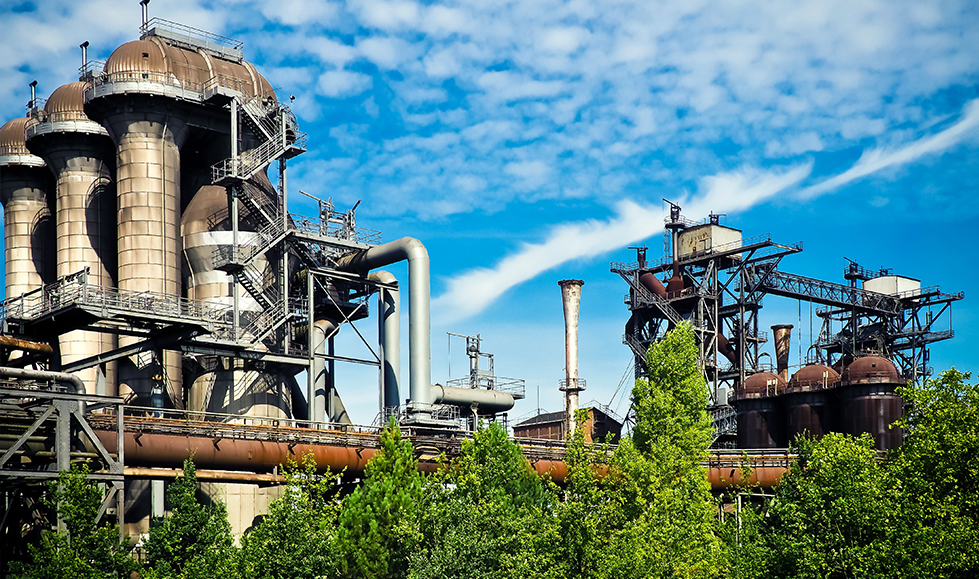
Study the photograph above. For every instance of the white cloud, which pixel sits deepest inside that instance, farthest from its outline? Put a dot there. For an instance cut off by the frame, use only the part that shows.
(508, 86)
(472, 291)
(563, 40)
(878, 159)
(385, 52)
(388, 15)
(343, 83)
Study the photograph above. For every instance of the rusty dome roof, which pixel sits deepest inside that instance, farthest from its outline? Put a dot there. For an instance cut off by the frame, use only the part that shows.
(137, 56)
(192, 69)
(813, 374)
(67, 103)
(872, 370)
(12, 137)
(761, 382)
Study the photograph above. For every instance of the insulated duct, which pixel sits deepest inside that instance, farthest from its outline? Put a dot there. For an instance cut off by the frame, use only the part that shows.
(77, 386)
(419, 305)
(571, 297)
(484, 402)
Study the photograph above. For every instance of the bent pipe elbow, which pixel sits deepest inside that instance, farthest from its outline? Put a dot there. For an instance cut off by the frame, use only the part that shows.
(419, 305)
(74, 382)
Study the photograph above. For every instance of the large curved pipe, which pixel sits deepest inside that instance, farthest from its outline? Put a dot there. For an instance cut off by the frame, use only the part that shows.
(389, 332)
(652, 283)
(419, 304)
(25, 374)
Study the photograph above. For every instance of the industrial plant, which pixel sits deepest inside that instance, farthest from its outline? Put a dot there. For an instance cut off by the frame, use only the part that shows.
(162, 302)
(874, 336)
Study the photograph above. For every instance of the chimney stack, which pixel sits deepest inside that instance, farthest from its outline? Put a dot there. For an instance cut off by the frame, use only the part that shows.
(571, 296)
(783, 336)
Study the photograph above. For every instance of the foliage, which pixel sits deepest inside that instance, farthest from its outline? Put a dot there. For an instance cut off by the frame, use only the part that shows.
(830, 516)
(296, 539)
(936, 479)
(488, 514)
(652, 515)
(195, 540)
(378, 525)
(670, 407)
(85, 549)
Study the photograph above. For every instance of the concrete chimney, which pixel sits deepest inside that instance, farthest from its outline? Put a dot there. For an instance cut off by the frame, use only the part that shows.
(571, 296)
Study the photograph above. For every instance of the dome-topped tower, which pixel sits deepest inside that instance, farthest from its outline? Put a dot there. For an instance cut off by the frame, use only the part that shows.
(81, 157)
(25, 190)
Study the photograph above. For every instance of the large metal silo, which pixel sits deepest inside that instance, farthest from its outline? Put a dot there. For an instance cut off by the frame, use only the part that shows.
(809, 412)
(229, 387)
(130, 100)
(82, 158)
(25, 190)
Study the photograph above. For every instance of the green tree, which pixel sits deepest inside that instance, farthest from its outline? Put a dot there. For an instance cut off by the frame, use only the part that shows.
(85, 549)
(936, 480)
(195, 540)
(670, 407)
(487, 514)
(378, 524)
(297, 538)
(831, 512)
(653, 514)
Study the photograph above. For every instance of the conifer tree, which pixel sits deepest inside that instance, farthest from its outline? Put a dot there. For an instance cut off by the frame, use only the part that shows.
(194, 541)
(378, 526)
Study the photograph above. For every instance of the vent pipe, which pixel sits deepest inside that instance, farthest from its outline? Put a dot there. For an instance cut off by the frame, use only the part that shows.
(783, 335)
(33, 95)
(144, 4)
(84, 47)
(571, 296)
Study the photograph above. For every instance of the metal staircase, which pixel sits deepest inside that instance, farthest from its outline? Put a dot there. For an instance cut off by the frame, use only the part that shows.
(274, 125)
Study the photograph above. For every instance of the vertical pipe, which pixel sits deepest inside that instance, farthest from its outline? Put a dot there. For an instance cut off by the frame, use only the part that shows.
(389, 332)
(419, 310)
(311, 348)
(571, 298)
(84, 47)
(322, 330)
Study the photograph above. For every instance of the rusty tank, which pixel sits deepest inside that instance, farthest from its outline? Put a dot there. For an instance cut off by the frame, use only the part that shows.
(869, 401)
(760, 417)
(807, 406)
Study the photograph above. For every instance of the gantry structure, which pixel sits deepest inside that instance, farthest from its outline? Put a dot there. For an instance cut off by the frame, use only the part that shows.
(718, 284)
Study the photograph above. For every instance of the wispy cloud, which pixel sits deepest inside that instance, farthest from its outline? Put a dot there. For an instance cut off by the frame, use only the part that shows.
(878, 159)
(473, 291)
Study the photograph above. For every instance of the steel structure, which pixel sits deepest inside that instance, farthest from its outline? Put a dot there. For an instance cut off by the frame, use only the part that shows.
(719, 281)
(149, 253)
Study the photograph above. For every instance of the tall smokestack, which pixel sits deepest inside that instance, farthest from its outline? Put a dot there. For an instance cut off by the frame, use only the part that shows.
(783, 336)
(571, 296)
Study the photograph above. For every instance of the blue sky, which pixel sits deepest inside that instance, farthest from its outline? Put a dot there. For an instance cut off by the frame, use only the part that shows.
(528, 142)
